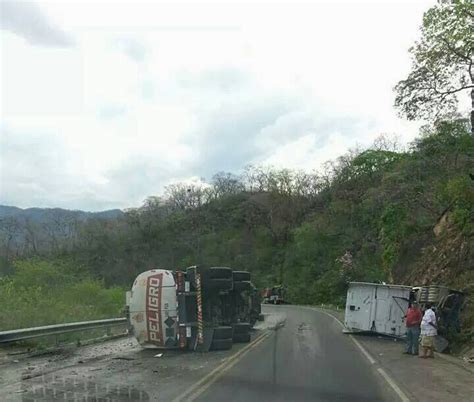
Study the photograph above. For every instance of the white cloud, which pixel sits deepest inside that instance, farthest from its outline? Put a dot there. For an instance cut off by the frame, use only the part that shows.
(306, 153)
(152, 93)
(133, 48)
(25, 18)
(39, 80)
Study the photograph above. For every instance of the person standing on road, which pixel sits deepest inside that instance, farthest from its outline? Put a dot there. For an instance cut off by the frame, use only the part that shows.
(429, 330)
(413, 320)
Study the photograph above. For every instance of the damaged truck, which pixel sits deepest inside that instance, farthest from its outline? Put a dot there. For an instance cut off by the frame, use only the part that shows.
(199, 308)
(381, 308)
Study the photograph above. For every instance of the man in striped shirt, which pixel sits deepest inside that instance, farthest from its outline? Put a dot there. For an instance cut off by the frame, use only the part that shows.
(429, 330)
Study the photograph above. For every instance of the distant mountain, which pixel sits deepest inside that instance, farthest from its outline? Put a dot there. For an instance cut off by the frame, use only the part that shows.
(44, 214)
(31, 231)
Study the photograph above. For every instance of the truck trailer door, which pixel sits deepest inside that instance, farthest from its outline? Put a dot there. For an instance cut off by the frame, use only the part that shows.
(359, 307)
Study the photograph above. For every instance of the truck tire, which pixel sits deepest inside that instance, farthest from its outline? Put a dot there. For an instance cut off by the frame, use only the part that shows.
(220, 273)
(221, 344)
(241, 328)
(239, 276)
(242, 286)
(217, 284)
(241, 338)
(222, 333)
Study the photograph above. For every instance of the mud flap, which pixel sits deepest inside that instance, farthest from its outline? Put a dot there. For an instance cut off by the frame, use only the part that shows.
(206, 345)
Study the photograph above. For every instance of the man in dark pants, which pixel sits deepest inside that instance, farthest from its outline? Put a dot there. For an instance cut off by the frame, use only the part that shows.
(413, 320)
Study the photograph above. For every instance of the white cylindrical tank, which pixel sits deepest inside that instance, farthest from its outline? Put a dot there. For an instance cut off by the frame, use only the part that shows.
(152, 307)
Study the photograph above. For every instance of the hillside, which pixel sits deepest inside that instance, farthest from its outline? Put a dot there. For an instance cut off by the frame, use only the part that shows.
(370, 216)
(382, 214)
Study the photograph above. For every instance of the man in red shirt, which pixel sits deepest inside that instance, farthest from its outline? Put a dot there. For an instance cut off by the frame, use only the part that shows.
(413, 320)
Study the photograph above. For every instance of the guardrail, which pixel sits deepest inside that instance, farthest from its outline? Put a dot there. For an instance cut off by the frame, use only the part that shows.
(330, 306)
(37, 332)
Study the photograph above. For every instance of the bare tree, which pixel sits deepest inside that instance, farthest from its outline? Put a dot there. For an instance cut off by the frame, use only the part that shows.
(10, 229)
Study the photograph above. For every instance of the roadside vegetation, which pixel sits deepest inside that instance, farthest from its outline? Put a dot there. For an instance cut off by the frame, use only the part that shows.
(40, 292)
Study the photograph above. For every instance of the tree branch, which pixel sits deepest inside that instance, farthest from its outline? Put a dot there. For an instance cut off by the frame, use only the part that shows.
(456, 52)
(453, 91)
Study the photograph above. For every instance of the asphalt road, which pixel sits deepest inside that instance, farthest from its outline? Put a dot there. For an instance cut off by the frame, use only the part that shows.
(306, 359)
(296, 354)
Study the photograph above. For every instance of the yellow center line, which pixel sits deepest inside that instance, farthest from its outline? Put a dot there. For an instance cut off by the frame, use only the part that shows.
(206, 385)
(200, 386)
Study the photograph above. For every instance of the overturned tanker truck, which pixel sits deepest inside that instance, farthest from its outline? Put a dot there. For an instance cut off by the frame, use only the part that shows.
(199, 308)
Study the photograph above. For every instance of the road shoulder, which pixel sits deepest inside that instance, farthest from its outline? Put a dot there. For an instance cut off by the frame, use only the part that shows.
(433, 380)
(115, 370)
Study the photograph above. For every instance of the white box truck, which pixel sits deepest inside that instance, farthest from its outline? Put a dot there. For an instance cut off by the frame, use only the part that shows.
(380, 308)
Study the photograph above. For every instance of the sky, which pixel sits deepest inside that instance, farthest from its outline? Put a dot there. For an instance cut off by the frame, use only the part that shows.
(105, 103)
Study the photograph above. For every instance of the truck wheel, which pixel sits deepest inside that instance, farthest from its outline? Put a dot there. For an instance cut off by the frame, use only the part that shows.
(241, 328)
(217, 284)
(239, 276)
(242, 286)
(220, 273)
(222, 333)
(241, 338)
(221, 344)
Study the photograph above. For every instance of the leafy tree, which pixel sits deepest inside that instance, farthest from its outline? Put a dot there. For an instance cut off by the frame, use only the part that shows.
(442, 63)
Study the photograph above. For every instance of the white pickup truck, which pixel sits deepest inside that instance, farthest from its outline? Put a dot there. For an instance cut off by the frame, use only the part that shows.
(197, 308)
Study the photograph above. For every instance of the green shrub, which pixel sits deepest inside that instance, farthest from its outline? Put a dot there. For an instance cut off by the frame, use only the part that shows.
(43, 292)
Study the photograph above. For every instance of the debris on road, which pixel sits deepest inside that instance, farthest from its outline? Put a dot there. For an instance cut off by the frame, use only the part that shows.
(123, 358)
(468, 359)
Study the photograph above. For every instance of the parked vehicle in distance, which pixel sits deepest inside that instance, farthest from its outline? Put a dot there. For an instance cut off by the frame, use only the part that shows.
(274, 295)
(198, 308)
